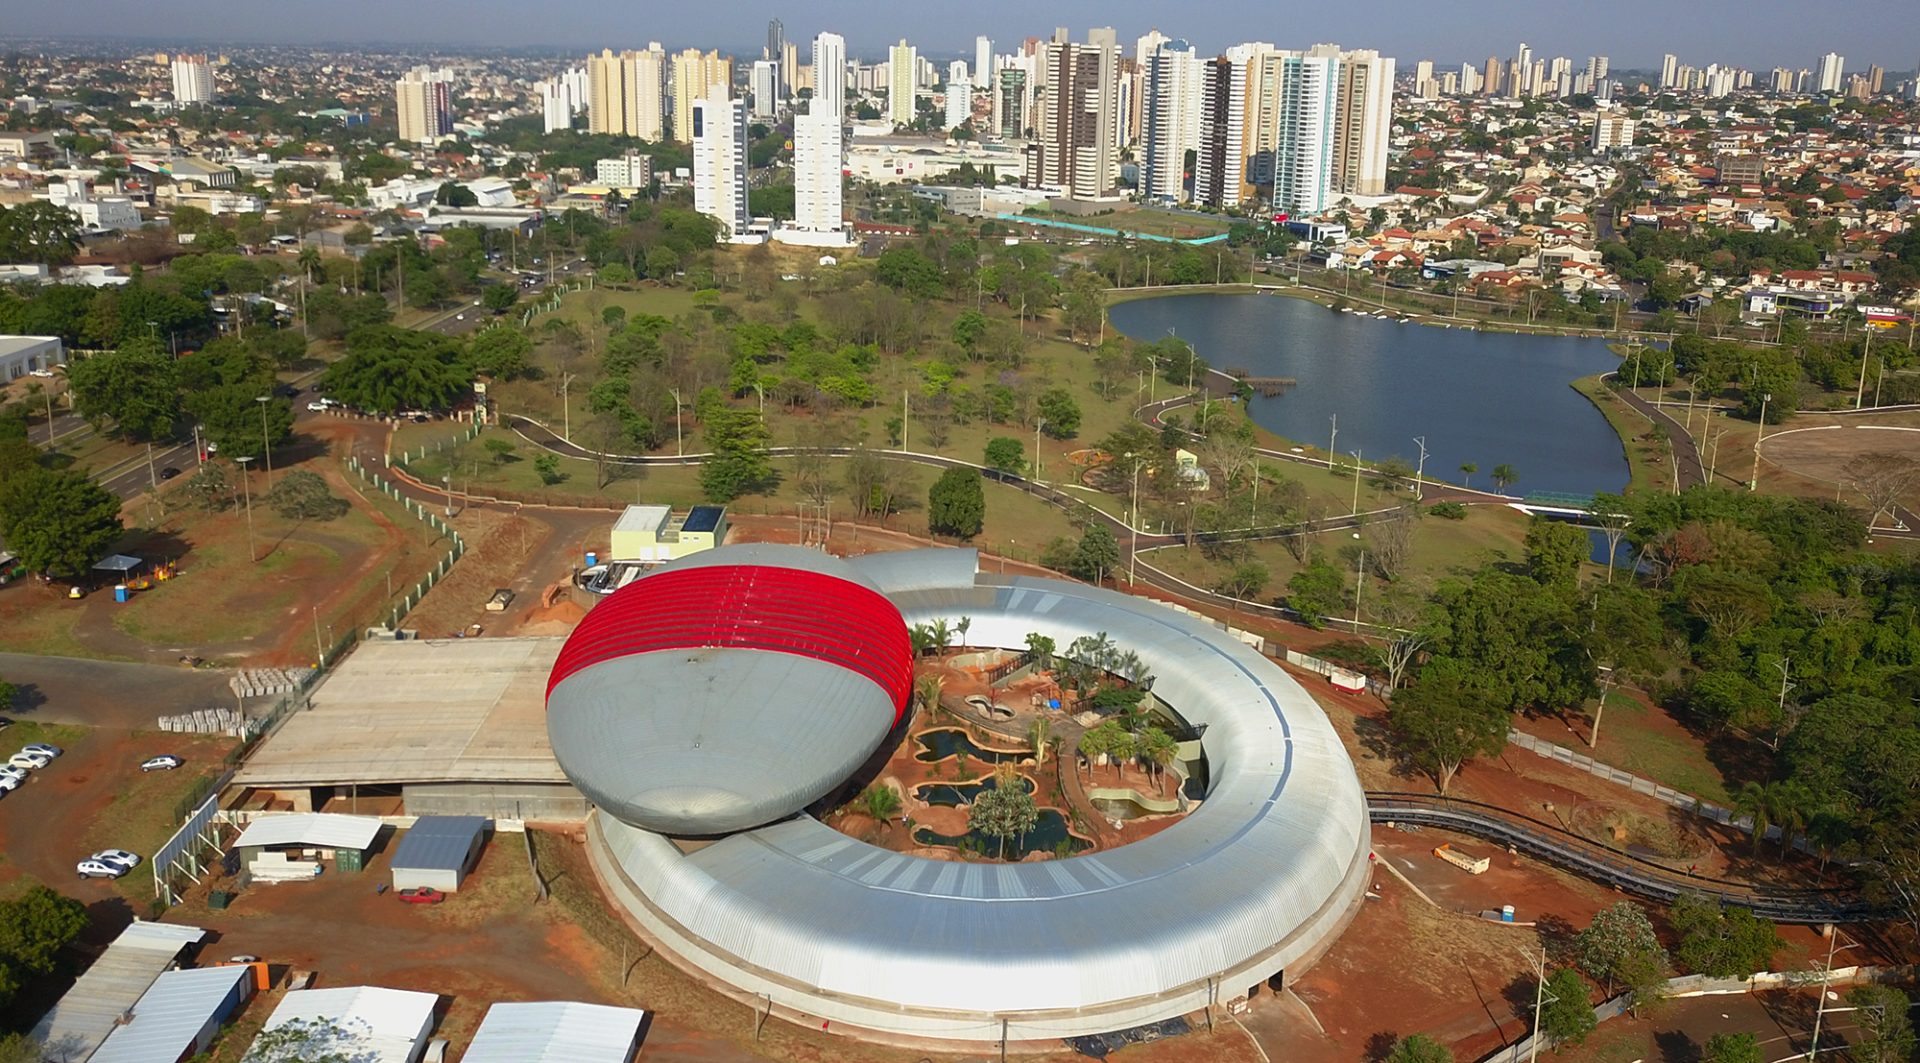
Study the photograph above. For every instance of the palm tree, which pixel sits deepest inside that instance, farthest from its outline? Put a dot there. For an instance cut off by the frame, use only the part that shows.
(309, 260)
(961, 626)
(1122, 747)
(929, 691)
(942, 634)
(1094, 744)
(1161, 750)
(1504, 474)
(1774, 804)
(1467, 469)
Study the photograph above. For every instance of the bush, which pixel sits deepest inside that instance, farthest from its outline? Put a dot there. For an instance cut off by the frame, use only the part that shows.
(1449, 510)
(303, 495)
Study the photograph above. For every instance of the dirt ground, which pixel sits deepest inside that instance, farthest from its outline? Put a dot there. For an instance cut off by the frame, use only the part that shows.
(1818, 447)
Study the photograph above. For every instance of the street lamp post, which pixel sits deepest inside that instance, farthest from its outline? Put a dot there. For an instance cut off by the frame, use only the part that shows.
(1038, 423)
(1133, 517)
(1333, 437)
(1356, 482)
(265, 446)
(679, 442)
(1754, 483)
(1420, 474)
(1359, 583)
(246, 490)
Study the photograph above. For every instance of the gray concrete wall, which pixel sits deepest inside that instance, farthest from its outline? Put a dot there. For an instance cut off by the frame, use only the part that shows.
(544, 803)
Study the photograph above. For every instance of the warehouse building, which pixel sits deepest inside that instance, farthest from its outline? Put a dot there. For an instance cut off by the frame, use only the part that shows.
(438, 851)
(113, 986)
(21, 355)
(557, 1032)
(366, 1024)
(179, 1016)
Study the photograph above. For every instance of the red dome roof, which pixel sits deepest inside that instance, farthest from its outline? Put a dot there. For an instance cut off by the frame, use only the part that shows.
(755, 607)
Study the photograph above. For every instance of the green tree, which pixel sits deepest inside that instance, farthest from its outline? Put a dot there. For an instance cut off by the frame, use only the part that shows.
(1061, 413)
(34, 927)
(1316, 591)
(500, 298)
(501, 353)
(1444, 719)
(1883, 1015)
(134, 387)
(1612, 944)
(957, 504)
(1004, 810)
(306, 1041)
(390, 369)
(1520, 638)
(452, 194)
(39, 231)
(1566, 1015)
(1721, 942)
(1467, 469)
(1503, 476)
(208, 488)
(233, 418)
(740, 463)
(548, 468)
(1418, 1048)
(57, 521)
(969, 331)
(303, 495)
(1554, 552)
(1733, 1048)
(1096, 556)
(880, 801)
(1006, 454)
(1247, 580)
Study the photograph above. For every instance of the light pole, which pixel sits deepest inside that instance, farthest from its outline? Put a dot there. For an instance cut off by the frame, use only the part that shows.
(265, 446)
(1038, 423)
(1826, 973)
(1359, 582)
(679, 442)
(1133, 517)
(246, 490)
(1420, 474)
(1760, 434)
(1356, 482)
(446, 481)
(1540, 1000)
(1859, 390)
(566, 407)
(1333, 437)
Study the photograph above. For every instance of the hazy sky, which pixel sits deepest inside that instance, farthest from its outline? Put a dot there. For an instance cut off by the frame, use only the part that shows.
(1756, 33)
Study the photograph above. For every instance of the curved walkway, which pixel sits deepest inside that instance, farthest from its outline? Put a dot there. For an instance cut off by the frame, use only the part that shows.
(1623, 871)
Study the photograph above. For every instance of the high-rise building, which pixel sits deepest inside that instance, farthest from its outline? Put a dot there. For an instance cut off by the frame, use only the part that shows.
(1011, 101)
(1220, 158)
(626, 93)
(1669, 70)
(562, 98)
(423, 103)
(1490, 84)
(1170, 120)
(718, 126)
(1522, 82)
(982, 61)
(1363, 121)
(192, 80)
(1876, 79)
(830, 75)
(1303, 137)
(1076, 148)
(777, 55)
(695, 76)
(1425, 85)
(1470, 79)
(903, 63)
(1832, 66)
(1612, 132)
(819, 161)
(764, 82)
(959, 103)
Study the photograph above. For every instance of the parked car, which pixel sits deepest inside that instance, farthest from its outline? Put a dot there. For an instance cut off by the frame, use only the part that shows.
(9, 783)
(169, 473)
(164, 762)
(321, 404)
(119, 858)
(97, 869)
(42, 748)
(31, 761)
(422, 895)
(16, 774)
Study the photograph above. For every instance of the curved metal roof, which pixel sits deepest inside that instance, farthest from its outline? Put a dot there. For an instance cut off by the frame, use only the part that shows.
(1256, 878)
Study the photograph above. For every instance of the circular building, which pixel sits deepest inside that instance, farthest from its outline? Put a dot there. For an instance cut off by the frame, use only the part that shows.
(801, 920)
(728, 690)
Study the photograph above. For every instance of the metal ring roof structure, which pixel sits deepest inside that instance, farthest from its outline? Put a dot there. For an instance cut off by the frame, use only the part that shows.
(1255, 881)
(729, 689)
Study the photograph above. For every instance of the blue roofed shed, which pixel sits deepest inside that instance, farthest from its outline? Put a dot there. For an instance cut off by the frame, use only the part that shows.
(438, 851)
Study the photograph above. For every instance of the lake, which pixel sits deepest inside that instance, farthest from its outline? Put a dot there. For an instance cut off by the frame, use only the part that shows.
(1482, 397)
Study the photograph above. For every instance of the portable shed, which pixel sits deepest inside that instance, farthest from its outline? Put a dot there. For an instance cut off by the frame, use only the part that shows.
(275, 848)
(179, 1016)
(557, 1032)
(367, 1024)
(438, 851)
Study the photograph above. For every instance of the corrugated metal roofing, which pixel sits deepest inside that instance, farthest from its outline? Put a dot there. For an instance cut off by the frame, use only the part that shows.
(376, 1025)
(87, 1013)
(1250, 881)
(171, 1014)
(555, 1032)
(323, 830)
(437, 843)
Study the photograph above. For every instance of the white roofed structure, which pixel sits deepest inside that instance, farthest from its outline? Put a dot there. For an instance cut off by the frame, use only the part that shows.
(369, 1024)
(556, 1032)
(178, 1016)
(76, 1026)
(321, 830)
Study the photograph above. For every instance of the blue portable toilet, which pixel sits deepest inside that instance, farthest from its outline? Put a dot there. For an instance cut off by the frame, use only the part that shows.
(120, 593)
(592, 559)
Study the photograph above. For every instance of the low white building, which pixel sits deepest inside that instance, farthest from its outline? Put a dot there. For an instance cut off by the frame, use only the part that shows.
(367, 1024)
(632, 170)
(21, 355)
(97, 214)
(403, 192)
(215, 202)
(556, 1032)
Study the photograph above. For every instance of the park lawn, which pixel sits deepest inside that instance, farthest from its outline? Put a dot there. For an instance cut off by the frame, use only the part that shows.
(141, 817)
(39, 619)
(1648, 460)
(1644, 741)
(1441, 548)
(1156, 223)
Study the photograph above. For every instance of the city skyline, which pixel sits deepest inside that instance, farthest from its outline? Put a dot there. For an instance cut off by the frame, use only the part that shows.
(1635, 33)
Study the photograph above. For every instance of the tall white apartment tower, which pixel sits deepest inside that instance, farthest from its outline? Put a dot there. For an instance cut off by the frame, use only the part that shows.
(1831, 68)
(1307, 103)
(1363, 121)
(819, 157)
(1669, 70)
(903, 62)
(1522, 72)
(720, 161)
(982, 61)
(1170, 120)
(192, 80)
(1077, 148)
(830, 74)
(765, 83)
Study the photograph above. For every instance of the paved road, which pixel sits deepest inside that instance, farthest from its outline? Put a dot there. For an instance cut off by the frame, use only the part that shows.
(1686, 454)
(108, 693)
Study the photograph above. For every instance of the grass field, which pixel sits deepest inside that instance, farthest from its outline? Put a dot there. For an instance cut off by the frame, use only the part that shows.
(1647, 459)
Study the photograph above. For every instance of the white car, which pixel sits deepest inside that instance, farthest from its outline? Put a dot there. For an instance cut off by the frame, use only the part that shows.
(40, 372)
(18, 775)
(167, 762)
(98, 869)
(9, 783)
(30, 761)
(41, 748)
(319, 406)
(119, 858)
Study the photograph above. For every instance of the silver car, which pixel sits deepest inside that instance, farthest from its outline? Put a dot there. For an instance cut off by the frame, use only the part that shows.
(99, 869)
